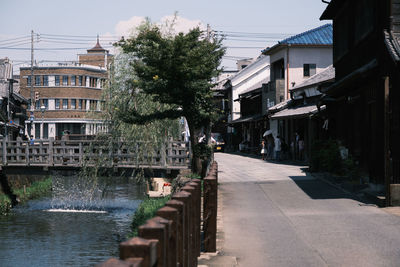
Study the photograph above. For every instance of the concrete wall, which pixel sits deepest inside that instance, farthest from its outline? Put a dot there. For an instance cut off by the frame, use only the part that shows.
(321, 56)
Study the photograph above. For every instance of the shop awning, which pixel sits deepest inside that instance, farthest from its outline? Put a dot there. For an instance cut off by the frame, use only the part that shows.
(247, 119)
(296, 112)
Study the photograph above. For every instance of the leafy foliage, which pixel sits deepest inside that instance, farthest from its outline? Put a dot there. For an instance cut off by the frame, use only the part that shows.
(35, 190)
(146, 210)
(325, 156)
(173, 70)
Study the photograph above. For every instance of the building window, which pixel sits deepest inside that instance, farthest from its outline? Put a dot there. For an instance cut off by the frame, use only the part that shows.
(46, 103)
(57, 104)
(309, 69)
(37, 80)
(57, 80)
(65, 104)
(45, 80)
(37, 130)
(65, 80)
(93, 104)
(37, 104)
(28, 80)
(45, 131)
(80, 80)
(80, 103)
(73, 103)
(73, 79)
(92, 82)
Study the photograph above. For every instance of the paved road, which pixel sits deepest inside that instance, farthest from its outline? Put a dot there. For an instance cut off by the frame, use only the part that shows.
(276, 215)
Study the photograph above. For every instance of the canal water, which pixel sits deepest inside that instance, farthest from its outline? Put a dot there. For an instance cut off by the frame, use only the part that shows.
(80, 224)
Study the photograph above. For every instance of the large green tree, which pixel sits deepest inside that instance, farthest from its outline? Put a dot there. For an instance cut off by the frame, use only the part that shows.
(175, 70)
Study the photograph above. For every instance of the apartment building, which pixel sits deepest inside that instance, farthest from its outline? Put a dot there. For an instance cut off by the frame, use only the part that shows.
(66, 96)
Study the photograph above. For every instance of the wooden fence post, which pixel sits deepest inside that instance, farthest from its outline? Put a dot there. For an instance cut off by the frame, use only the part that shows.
(153, 229)
(171, 214)
(50, 151)
(210, 212)
(196, 183)
(4, 152)
(180, 232)
(130, 262)
(192, 226)
(185, 198)
(139, 248)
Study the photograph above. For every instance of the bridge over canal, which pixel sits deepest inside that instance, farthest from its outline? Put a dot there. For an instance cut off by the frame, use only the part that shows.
(171, 155)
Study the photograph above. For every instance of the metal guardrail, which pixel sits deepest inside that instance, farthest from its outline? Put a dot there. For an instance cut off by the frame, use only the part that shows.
(77, 153)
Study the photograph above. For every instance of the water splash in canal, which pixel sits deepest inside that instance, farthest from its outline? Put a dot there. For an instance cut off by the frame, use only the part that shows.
(79, 225)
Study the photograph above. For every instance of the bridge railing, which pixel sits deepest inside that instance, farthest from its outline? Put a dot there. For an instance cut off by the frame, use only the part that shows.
(76, 153)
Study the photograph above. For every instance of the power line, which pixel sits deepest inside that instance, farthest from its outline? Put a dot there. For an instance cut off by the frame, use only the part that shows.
(50, 49)
(17, 38)
(81, 36)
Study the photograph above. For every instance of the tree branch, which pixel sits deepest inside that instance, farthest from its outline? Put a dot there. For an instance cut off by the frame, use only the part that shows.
(133, 117)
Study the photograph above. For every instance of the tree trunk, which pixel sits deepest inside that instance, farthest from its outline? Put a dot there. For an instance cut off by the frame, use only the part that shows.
(7, 189)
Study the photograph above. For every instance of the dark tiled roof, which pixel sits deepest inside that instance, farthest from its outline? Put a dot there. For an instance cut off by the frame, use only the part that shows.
(318, 36)
(392, 42)
(97, 47)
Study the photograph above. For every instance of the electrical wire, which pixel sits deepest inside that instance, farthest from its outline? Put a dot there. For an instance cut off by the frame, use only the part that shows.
(13, 39)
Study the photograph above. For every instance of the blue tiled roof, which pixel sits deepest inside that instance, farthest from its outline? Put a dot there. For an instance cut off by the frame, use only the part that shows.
(318, 36)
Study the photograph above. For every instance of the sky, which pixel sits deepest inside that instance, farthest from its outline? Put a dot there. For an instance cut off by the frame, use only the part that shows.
(63, 29)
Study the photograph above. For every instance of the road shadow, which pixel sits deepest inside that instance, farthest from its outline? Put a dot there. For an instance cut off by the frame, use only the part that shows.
(319, 189)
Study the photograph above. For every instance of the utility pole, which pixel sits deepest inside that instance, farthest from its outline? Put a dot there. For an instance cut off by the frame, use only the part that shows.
(32, 94)
(208, 32)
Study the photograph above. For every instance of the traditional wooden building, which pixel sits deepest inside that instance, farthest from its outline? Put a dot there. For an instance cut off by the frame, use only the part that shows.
(363, 104)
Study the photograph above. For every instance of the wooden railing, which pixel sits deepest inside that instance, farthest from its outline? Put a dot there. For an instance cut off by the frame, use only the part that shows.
(174, 236)
(77, 153)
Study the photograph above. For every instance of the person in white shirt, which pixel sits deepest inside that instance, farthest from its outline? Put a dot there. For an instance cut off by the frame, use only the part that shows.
(278, 145)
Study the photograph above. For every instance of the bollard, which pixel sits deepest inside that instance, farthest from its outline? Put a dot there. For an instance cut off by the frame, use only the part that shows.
(155, 230)
(192, 227)
(113, 262)
(197, 204)
(210, 213)
(180, 208)
(171, 214)
(185, 197)
(139, 248)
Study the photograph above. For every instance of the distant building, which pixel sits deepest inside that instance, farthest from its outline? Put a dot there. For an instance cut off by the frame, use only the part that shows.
(12, 104)
(294, 60)
(220, 97)
(246, 103)
(67, 95)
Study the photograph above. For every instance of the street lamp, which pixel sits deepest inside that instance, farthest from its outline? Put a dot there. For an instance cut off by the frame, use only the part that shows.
(42, 109)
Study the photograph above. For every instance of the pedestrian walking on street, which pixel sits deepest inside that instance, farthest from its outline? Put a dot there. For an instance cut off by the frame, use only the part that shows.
(278, 148)
(301, 149)
(263, 150)
(270, 147)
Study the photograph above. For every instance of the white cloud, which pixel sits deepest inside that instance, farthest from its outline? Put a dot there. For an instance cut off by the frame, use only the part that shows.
(127, 27)
(181, 24)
